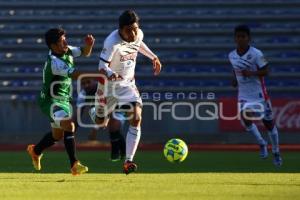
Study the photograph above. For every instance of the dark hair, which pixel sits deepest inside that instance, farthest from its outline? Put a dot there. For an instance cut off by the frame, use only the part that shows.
(242, 28)
(128, 17)
(53, 35)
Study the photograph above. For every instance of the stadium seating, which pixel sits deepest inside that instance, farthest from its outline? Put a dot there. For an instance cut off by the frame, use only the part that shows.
(192, 38)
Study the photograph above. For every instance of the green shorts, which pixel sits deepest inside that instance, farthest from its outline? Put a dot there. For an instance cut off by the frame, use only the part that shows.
(56, 111)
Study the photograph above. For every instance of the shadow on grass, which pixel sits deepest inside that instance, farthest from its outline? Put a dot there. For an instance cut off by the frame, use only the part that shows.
(154, 162)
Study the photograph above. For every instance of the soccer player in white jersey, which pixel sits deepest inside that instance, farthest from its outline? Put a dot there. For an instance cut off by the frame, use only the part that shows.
(117, 63)
(249, 68)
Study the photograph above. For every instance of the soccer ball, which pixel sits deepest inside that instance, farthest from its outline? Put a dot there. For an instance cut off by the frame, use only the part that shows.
(175, 150)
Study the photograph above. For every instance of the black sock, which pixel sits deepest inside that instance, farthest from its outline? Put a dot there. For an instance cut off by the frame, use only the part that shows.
(44, 143)
(122, 144)
(117, 141)
(70, 146)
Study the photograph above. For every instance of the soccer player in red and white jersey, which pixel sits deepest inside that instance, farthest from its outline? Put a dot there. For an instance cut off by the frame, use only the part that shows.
(249, 68)
(117, 63)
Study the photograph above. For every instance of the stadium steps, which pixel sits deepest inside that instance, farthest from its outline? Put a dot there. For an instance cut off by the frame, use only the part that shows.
(195, 61)
(38, 47)
(202, 32)
(186, 18)
(147, 4)
(163, 75)
(180, 34)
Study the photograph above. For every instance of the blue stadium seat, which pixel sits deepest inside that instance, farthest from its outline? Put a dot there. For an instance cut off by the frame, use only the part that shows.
(289, 54)
(179, 33)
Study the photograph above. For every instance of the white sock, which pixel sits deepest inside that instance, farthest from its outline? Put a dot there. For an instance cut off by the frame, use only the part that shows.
(254, 130)
(273, 135)
(132, 141)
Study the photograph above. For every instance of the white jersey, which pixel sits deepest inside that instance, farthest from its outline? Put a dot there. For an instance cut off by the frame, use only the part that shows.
(250, 89)
(121, 54)
(120, 57)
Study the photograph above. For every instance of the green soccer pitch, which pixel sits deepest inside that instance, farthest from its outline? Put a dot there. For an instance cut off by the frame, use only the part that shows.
(203, 175)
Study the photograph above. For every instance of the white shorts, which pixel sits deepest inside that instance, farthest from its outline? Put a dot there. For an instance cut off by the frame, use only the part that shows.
(58, 116)
(111, 95)
(261, 109)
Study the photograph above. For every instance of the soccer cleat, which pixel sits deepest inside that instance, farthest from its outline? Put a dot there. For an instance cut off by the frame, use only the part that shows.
(277, 160)
(129, 167)
(78, 169)
(115, 157)
(36, 159)
(263, 151)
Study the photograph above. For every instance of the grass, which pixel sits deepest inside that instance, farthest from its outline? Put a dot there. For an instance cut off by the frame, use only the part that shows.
(204, 175)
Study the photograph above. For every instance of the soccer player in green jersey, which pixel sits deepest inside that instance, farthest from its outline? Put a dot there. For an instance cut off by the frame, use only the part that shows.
(54, 98)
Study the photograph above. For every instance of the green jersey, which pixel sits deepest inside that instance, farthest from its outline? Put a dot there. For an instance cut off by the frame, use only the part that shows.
(57, 83)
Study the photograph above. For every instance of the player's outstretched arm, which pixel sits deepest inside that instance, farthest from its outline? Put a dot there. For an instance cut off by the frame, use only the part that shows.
(144, 49)
(113, 77)
(89, 41)
(107, 71)
(156, 66)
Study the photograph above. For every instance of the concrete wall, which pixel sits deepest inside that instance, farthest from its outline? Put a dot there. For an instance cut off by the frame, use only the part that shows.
(22, 121)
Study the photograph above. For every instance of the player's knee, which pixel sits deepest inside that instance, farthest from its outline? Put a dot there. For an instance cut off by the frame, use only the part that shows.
(57, 134)
(136, 121)
(268, 124)
(57, 137)
(101, 121)
(68, 125)
(114, 125)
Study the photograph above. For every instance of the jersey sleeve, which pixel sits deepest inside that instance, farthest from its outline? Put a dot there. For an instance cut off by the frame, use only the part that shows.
(141, 34)
(260, 59)
(144, 49)
(107, 51)
(60, 68)
(230, 58)
(76, 51)
(106, 56)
